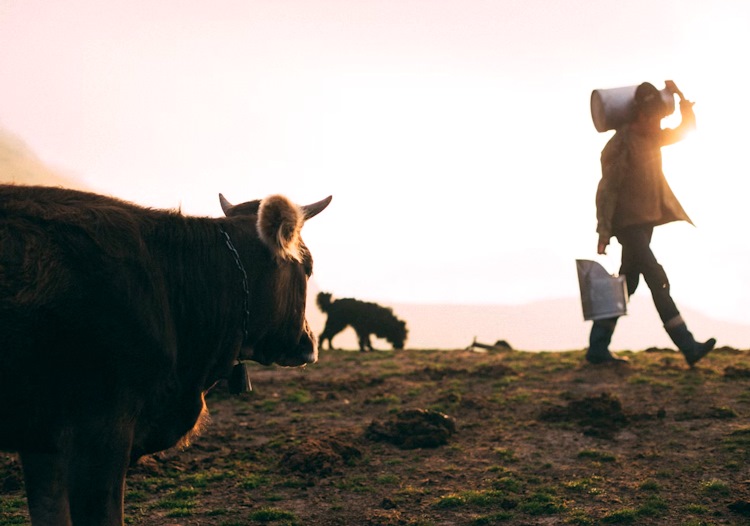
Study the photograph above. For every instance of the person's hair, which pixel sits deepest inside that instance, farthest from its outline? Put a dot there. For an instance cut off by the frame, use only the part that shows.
(648, 101)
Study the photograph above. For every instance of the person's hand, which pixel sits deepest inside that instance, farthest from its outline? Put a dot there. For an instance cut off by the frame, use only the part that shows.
(673, 89)
(688, 103)
(601, 248)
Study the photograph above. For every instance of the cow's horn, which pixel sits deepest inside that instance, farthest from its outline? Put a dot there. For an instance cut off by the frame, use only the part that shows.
(226, 206)
(315, 208)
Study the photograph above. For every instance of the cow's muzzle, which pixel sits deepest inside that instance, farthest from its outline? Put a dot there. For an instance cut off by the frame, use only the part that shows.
(303, 352)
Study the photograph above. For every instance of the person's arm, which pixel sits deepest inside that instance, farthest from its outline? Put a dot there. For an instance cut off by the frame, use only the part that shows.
(687, 123)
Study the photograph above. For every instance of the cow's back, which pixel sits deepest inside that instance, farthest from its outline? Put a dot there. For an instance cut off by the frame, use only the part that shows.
(59, 246)
(65, 325)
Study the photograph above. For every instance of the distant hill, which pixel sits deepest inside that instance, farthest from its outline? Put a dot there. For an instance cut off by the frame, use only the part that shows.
(552, 325)
(18, 164)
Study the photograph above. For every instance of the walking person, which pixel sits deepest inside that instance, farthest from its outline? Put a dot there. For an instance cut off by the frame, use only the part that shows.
(632, 198)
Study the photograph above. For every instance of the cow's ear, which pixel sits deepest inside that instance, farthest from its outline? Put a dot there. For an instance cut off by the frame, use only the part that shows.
(279, 224)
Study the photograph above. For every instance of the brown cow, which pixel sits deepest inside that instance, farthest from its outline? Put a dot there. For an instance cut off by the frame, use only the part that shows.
(116, 319)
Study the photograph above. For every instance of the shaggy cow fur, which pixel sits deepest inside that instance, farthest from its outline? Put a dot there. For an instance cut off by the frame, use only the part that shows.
(116, 319)
(364, 317)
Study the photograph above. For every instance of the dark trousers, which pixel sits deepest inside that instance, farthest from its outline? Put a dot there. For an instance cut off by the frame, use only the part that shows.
(637, 260)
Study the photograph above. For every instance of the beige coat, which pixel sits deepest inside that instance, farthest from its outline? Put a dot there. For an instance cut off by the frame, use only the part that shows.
(633, 189)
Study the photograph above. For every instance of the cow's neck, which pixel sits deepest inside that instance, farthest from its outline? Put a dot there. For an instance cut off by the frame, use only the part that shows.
(245, 286)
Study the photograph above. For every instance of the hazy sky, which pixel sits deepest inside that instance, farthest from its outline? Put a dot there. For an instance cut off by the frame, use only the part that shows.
(454, 135)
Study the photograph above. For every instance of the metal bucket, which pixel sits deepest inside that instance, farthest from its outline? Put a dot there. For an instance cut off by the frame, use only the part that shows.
(602, 294)
(611, 108)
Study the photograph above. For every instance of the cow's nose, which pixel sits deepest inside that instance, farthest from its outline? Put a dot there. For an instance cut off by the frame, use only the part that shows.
(305, 352)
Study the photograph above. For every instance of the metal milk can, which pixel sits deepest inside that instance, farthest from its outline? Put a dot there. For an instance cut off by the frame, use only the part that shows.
(603, 295)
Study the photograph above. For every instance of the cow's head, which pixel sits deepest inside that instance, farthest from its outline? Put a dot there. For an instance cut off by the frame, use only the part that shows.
(396, 334)
(284, 337)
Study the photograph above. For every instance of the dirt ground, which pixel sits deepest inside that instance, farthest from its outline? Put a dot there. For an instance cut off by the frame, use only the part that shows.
(461, 437)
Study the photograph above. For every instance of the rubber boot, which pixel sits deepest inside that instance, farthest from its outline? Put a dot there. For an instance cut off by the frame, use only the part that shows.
(683, 339)
(599, 339)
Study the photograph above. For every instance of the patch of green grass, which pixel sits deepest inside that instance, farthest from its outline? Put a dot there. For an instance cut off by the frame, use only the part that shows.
(734, 465)
(358, 484)
(649, 485)
(586, 485)
(11, 503)
(386, 399)
(653, 507)
(723, 412)
(252, 481)
(505, 454)
(533, 479)
(300, 396)
(151, 484)
(478, 498)
(501, 383)
(715, 487)
(454, 500)
(274, 515)
(13, 520)
(180, 512)
(697, 509)
(169, 503)
(542, 503)
(692, 380)
(387, 479)
(599, 456)
(410, 491)
(203, 479)
(622, 516)
(136, 496)
(388, 363)
(180, 502)
(494, 518)
(13, 511)
(295, 483)
(415, 391)
(739, 437)
(580, 518)
(508, 483)
(184, 493)
(267, 405)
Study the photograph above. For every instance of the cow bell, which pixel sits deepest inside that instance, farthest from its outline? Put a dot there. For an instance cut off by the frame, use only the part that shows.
(239, 379)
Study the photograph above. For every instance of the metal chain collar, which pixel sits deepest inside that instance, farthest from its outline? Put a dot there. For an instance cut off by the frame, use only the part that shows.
(245, 287)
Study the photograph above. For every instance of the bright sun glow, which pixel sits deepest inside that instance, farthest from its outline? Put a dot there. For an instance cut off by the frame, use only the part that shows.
(455, 137)
(707, 171)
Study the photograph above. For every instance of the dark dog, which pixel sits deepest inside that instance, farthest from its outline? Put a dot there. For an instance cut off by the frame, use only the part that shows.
(365, 318)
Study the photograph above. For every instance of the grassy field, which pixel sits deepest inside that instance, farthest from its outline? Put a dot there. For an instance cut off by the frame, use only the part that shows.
(428, 437)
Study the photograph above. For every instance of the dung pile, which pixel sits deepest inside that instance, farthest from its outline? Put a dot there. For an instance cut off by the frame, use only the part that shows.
(413, 428)
(599, 416)
(319, 457)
